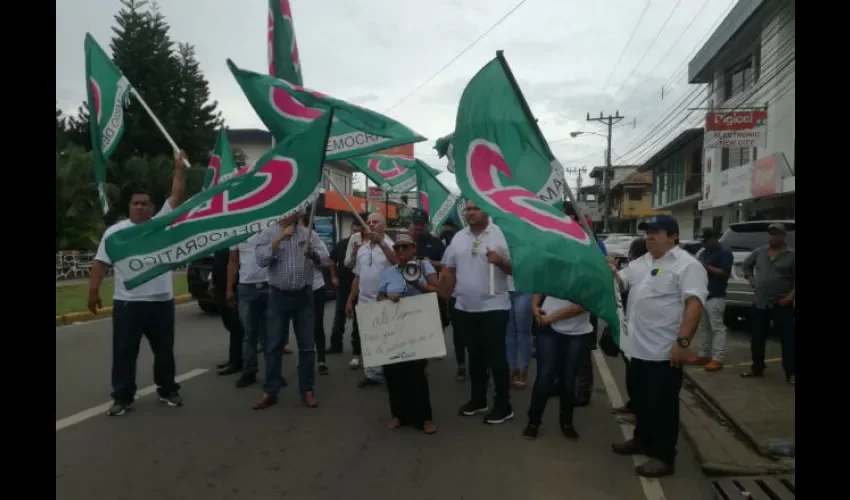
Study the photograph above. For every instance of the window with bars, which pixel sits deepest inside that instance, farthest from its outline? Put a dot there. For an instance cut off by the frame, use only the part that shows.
(736, 157)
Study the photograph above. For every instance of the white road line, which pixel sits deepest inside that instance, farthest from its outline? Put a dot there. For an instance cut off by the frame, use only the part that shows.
(101, 409)
(85, 323)
(651, 487)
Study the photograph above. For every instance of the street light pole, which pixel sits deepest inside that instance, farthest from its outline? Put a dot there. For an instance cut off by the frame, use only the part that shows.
(608, 172)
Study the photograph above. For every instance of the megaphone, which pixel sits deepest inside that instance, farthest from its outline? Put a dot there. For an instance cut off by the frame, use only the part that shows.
(411, 272)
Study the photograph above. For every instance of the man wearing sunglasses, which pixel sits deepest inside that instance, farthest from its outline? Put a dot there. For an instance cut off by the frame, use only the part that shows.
(480, 317)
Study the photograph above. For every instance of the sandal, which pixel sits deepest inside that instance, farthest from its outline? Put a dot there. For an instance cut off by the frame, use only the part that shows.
(394, 424)
(429, 427)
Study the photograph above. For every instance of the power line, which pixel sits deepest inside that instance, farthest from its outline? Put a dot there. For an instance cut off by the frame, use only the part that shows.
(455, 58)
(626, 46)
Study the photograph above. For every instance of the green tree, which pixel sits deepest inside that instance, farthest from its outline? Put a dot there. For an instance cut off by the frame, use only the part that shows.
(195, 113)
(240, 159)
(79, 223)
(61, 131)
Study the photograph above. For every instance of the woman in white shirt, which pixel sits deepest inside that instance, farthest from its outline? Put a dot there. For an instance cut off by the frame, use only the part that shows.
(563, 341)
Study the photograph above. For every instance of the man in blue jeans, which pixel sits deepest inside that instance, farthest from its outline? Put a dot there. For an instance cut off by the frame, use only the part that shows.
(286, 251)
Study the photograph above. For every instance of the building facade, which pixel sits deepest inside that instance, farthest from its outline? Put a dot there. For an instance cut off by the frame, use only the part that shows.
(631, 202)
(748, 63)
(677, 178)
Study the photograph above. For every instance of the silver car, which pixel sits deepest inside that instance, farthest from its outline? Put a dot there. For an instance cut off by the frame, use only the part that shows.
(742, 238)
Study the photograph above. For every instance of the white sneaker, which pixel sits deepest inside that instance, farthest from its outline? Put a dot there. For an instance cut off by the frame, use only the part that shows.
(354, 363)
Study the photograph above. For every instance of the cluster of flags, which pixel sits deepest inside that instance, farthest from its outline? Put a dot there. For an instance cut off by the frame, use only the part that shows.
(498, 154)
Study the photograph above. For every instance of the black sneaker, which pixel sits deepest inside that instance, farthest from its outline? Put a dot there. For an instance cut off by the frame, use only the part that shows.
(323, 369)
(460, 376)
(334, 350)
(499, 415)
(246, 379)
(172, 399)
(117, 409)
(569, 432)
(530, 431)
(368, 382)
(471, 409)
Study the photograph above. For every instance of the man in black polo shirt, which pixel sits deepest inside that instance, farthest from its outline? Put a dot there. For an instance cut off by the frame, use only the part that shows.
(342, 277)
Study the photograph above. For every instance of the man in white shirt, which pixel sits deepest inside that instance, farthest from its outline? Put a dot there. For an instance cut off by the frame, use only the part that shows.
(481, 318)
(664, 310)
(147, 310)
(372, 257)
(250, 294)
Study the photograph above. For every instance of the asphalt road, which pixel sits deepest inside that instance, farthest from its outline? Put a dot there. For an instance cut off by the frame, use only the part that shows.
(217, 448)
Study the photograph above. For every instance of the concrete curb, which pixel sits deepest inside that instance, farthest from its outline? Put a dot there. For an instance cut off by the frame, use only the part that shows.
(82, 317)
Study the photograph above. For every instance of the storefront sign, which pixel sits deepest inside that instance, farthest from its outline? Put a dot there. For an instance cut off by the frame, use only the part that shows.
(765, 177)
(736, 129)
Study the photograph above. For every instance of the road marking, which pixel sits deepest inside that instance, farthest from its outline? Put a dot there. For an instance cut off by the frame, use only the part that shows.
(100, 320)
(651, 487)
(101, 409)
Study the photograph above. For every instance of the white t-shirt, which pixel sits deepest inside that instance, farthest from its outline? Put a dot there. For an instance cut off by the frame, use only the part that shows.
(577, 325)
(657, 302)
(637, 270)
(369, 264)
(350, 256)
(472, 271)
(158, 289)
(249, 272)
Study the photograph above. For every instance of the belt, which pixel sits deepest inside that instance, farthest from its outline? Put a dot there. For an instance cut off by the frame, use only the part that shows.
(293, 292)
(255, 285)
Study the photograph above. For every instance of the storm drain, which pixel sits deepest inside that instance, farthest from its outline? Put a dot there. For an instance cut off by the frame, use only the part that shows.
(755, 488)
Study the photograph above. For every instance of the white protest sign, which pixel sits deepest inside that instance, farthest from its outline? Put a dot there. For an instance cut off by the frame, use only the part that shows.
(392, 332)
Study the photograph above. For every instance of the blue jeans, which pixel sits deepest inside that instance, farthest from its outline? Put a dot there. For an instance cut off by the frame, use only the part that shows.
(558, 357)
(253, 304)
(519, 338)
(284, 306)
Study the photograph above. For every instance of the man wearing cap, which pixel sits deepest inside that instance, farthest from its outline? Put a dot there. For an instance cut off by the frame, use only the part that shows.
(771, 272)
(407, 384)
(429, 248)
(717, 260)
(663, 314)
(290, 253)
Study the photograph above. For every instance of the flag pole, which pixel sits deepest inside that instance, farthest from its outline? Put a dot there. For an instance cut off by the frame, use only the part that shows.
(500, 54)
(158, 124)
(345, 198)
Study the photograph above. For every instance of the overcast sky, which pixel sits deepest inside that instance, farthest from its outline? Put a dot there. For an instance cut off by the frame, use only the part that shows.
(563, 52)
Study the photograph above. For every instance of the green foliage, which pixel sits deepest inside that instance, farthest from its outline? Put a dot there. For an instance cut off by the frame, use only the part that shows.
(169, 78)
(78, 221)
(240, 159)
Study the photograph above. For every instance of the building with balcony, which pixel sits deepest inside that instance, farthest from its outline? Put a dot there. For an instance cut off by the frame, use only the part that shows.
(631, 202)
(676, 171)
(748, 63)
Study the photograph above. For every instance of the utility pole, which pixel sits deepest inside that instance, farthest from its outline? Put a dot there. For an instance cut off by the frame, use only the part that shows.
(579, 171)
(608, 173)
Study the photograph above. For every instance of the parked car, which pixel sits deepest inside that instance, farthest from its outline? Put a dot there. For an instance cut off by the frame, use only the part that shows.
(617, 245)
(198, 275)
(690, 246)
(742, 238)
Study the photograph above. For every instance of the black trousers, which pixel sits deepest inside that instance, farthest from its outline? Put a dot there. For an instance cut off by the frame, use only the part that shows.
(410, 398)
(629, 384)
(783, 323)
(130, 322)
(558, 357)
(656, 400)
(319, 323)
(233, 324)
(484, 334)
(338, 329)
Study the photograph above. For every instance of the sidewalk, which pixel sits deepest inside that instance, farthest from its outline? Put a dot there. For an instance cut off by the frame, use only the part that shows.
(740, 426)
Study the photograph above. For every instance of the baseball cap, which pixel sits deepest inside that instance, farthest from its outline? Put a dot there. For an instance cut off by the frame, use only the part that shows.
(662, 222)
(778, 227)
(403, 238)
(419, 216)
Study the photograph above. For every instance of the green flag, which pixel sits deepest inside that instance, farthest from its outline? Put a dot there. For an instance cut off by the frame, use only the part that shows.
(284, 62)
(395, 174)
(286, 109)
(108, 91)
(285, 179)
(221, 161)
(444, 150)
(434, 197)
(500, 157)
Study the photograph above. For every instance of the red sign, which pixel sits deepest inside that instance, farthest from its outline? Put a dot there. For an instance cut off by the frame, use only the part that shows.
(727, 121)
(765, 175)
(334, 201)
(403, 150)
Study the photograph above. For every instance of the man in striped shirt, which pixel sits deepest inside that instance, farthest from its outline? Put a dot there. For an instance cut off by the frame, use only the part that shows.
(290, 254)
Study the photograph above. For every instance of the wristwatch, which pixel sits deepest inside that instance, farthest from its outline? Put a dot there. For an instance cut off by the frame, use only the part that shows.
(683, 342)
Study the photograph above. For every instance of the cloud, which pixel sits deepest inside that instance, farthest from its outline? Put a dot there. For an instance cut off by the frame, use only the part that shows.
(375, 53)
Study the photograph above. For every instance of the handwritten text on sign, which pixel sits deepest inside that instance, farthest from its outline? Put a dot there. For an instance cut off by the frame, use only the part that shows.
(392, 332)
